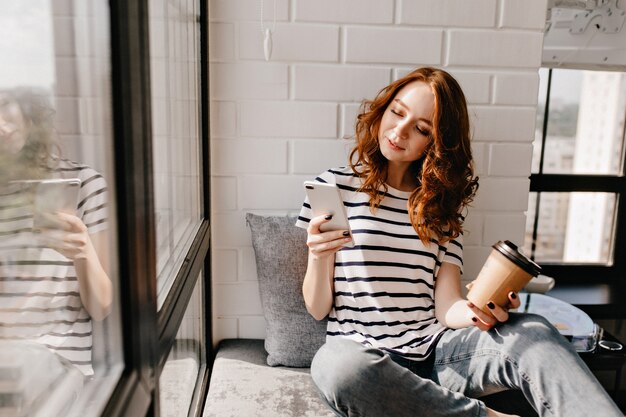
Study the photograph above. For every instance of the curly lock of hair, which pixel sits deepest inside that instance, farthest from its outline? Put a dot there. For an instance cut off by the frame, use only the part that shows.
(445, 173)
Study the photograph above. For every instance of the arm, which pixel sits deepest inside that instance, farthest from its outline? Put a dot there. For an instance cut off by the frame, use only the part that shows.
(96, 289)
(450, 308)
(317, 288)
(453, 311)
(89, 253)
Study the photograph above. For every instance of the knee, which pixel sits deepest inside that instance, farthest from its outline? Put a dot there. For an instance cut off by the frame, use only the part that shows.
(532, 325)
(532, 331)
(340, 366)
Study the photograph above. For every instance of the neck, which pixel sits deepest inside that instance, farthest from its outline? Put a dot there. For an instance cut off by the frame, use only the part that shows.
(399, 177)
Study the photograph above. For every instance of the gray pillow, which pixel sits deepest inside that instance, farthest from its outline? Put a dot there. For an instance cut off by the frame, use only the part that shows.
(292, 335)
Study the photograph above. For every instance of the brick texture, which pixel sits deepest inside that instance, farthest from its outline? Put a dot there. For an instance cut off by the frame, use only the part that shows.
(275, 124)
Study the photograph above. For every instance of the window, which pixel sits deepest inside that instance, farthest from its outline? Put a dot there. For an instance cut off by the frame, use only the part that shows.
(175, 88)
(180, 377)
(60, 328)
(77, 102)
(577, 206)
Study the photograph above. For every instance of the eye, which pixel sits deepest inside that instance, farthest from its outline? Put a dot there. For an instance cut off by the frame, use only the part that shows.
(397, 113)
(422, 131)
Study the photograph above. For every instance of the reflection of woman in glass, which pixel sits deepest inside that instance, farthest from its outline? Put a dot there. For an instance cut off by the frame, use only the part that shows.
(53, 280)
(401, 339)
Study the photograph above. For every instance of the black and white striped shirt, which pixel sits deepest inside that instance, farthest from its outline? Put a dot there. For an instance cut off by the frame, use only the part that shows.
(39, 293)
(384, 285)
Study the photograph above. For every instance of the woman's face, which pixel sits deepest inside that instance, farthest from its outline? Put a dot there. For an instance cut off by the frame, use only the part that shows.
(13, 127)
(406, 125)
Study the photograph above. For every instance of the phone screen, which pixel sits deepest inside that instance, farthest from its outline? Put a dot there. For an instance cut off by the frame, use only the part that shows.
(326, 199)
(52, 196)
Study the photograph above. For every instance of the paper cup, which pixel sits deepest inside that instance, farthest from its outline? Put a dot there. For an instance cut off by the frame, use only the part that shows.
(505, 270)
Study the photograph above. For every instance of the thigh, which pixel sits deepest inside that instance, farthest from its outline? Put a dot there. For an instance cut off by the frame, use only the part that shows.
(478, 363)
(356, 380)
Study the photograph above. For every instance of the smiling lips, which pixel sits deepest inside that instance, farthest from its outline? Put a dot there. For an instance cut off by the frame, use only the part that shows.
(390, 136)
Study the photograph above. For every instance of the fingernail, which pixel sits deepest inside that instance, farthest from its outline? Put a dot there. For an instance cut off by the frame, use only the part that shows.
(491, 305)
(346, 233)
(513, 295)
(474, 319)
(330, 216)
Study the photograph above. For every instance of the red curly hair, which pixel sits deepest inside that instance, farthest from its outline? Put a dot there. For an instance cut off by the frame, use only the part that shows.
(445, 174)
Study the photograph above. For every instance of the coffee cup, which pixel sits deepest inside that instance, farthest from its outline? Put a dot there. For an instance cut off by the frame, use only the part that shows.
(506, 270)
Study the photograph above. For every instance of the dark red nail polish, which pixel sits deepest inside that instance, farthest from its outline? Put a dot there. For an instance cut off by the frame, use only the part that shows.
(491, 305)
(474, 319)
(513, 295)
(330, 216)
(346, 233)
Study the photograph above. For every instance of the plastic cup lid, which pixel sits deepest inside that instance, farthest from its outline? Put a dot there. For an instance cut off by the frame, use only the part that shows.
(511, 252)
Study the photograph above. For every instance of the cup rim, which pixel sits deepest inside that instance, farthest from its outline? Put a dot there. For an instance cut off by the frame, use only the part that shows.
(511, 252)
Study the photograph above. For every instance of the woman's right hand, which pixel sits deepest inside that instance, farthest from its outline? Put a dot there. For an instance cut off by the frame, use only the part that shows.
(324, 244)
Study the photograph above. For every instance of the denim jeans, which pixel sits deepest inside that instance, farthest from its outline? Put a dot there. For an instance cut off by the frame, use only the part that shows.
(526, 353)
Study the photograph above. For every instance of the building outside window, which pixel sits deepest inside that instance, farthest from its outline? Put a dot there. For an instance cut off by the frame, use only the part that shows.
(575, 207)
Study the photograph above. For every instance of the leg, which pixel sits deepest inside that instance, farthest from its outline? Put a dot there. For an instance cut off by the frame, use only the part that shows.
(526, 353)
(359, 381)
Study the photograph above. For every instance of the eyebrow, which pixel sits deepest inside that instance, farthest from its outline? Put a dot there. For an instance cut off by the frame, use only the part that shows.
(401, 103)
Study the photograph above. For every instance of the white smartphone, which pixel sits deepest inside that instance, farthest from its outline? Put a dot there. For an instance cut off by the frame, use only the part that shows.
(52, 196)
(326, 199)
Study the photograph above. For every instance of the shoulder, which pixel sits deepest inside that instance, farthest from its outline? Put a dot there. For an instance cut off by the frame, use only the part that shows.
(66, 168)
(340, 175)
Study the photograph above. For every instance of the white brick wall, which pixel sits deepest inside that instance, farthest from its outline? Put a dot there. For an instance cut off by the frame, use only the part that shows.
(393, 45)
(287, 119)
(316, 43)
(508, 48)
(275, 124)
(346, 11)
(340, 83)
(517, 14)
(249, 81)
(450, 13)
(80, 98)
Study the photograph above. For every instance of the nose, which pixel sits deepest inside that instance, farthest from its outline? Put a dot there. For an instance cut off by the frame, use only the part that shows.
(401, 129)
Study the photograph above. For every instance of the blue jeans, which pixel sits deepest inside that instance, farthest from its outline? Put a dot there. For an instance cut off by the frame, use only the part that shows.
(526, 353)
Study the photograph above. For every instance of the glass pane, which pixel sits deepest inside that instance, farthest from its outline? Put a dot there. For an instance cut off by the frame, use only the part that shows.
(185, 362)
(60, 338)
(541, 108)
(175, 70)
(530, 224)
(573, 227)
(585, 123)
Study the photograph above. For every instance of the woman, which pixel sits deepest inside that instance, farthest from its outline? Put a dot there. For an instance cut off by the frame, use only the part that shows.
(53, 280)
(401, 340)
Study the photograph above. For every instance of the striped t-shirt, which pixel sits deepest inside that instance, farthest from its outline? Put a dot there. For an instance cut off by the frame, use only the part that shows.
(384, 285)
(39, 294)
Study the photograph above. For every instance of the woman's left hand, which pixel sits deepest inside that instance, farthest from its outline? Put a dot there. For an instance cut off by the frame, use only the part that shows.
(499, 314)
(70, 237)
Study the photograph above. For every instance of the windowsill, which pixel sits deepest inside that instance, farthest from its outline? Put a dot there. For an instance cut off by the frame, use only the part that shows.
(600, 301)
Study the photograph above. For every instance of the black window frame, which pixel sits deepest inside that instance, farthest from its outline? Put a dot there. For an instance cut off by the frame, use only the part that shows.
(574, 280)
(148, 335)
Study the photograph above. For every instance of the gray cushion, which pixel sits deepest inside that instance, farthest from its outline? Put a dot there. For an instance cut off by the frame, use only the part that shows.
(243, 385)
(292, 335)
